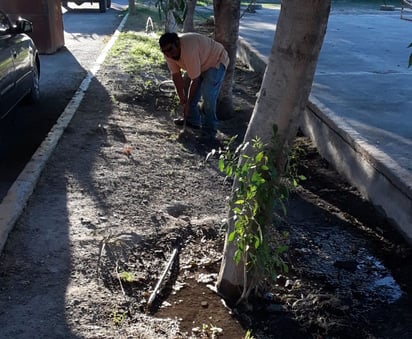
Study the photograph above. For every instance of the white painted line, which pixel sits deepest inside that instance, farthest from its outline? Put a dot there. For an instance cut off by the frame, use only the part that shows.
(19, 193)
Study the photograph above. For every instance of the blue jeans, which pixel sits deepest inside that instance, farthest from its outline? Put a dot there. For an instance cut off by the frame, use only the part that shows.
(209, 88)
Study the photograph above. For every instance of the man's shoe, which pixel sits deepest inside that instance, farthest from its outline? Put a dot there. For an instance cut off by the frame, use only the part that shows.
(181, 121)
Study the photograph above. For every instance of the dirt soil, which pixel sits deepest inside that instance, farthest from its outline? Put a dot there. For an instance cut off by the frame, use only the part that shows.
(122, 191)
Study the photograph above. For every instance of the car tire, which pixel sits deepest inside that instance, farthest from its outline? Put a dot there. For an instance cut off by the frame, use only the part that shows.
(109, 3)
(103, 6)
(34, 95)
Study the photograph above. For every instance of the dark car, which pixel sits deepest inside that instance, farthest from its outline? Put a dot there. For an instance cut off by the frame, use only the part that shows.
(19, 64)
(103, 4)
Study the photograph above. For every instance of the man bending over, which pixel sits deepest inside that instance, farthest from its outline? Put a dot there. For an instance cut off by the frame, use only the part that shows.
(205, 61)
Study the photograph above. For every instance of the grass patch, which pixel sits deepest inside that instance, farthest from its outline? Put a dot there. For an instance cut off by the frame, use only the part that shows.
(138, 21)
(135, 50)
(270, 6)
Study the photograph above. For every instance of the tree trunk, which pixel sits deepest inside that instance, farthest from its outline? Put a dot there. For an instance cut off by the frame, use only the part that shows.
(188, 25)
(132, 7)
(282, 98)
(170, 23)
(227, 14)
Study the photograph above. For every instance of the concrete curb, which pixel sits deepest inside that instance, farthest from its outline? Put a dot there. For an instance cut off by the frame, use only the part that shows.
(363, 166)
(20, 192)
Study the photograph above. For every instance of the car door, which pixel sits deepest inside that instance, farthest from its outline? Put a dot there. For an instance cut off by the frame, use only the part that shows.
(7, 76)
(23, 59)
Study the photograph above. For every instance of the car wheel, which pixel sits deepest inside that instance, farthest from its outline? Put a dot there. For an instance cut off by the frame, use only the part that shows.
(103, 6)
(34, 95)
(109, 3)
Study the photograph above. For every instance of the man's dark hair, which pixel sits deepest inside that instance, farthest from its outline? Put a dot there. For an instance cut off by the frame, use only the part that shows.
(168, 38)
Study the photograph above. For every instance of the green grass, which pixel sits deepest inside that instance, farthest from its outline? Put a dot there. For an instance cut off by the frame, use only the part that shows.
(138, 21)
(204, 3)
(271, 6)
(135, 50)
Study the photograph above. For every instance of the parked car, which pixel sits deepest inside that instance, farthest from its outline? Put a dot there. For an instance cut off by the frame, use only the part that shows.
(103, 4)
(19, 64)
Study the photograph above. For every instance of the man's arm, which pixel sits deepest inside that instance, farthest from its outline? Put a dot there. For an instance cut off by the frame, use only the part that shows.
(186, 90)
(190, 95)
(179, 85)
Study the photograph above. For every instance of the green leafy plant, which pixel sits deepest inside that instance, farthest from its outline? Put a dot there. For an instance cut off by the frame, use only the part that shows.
(118, 317)
(260, 188)
(210, 331)
(127, 276)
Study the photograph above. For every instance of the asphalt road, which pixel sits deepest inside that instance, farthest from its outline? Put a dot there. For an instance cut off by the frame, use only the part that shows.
(86, 31)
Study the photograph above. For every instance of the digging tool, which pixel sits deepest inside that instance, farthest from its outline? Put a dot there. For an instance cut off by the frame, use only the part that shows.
(183, 130)
(162, 278)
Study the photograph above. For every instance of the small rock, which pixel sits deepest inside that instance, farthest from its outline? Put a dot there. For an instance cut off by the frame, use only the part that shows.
(207, 278)
(268, 296)
(196, 330)
(204, 304)
(289, 284)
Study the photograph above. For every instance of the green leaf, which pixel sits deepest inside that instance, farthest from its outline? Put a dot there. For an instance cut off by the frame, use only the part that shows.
(281, 249)
(257, 179)
(231, 236)
(257, 242)
(237, 256)
(237, 210)
(259, 156)
(229, 171)
(221, 164)
(245, 168)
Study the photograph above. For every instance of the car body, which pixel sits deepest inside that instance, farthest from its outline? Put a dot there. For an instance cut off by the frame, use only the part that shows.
(103, 4)
(19, 64)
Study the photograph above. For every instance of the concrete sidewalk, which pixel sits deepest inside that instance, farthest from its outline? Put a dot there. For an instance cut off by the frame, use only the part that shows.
(360, 110)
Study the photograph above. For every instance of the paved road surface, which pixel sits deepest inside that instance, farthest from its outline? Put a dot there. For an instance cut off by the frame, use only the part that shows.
(86, 31)
(360, 115)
